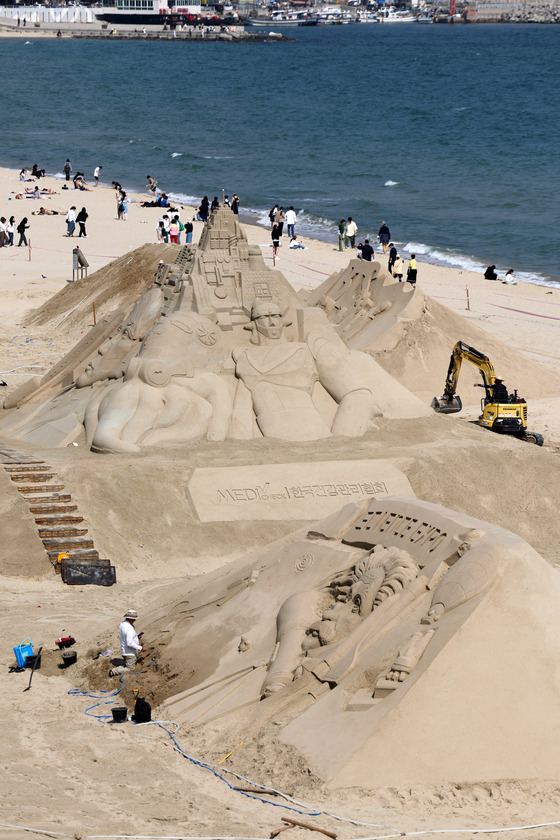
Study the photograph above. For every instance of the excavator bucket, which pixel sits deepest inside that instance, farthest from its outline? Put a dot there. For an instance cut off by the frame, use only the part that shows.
(447, 405)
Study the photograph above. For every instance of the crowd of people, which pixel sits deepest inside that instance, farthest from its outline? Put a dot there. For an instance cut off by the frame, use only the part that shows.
(8, 228)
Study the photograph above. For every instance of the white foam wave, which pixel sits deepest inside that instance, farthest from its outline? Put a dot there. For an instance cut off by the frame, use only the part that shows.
(183, 198)
(176, 154)
(391, 183)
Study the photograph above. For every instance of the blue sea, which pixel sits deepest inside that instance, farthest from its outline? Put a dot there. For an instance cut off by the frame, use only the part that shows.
(449, 133)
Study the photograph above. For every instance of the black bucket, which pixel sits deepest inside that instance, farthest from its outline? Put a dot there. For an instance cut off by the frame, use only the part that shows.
(69, 657)
(33, 661)
(120, 714)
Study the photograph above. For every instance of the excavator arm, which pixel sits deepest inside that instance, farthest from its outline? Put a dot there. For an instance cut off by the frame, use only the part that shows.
(450, 402)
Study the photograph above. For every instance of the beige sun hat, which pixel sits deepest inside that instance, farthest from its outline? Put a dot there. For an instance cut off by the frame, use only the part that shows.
(131, 614)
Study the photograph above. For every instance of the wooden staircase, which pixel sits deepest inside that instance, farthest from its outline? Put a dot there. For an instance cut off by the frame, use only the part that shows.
(59, 525)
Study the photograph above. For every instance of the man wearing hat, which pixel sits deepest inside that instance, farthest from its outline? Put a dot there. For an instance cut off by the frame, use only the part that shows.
(130, 644)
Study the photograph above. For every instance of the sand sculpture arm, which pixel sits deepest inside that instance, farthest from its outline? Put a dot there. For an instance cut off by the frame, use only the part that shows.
(338, 375)
(217, 393)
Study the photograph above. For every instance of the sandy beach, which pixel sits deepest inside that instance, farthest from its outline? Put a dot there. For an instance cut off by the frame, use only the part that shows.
(65, 772)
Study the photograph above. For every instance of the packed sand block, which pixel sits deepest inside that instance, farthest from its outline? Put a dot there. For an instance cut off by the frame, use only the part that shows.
(382, 643)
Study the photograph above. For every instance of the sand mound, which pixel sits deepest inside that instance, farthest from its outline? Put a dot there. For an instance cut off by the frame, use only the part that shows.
(120, 282)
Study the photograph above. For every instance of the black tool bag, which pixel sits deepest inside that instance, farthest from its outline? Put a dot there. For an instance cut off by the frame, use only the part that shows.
(142, 711)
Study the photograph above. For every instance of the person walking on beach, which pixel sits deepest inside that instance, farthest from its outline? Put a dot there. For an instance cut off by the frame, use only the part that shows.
(81, 218)
(350, 233)
(152, 184)
(130, 644)
(235, 204)
(392, 257)
(291, 220)
(10, 229)
(275, 236)
(71, 221)
(412, 273)
(189, 232)
(3, 232)
(272, 215)
(21, 228)
(174, 232)
(341, 232)
(97, 174)
(384, 236)
(124, 205)
(279, 219)
(398, 268)
(67, 169)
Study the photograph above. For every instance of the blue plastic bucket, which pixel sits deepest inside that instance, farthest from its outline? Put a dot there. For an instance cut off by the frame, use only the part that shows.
(22, 651)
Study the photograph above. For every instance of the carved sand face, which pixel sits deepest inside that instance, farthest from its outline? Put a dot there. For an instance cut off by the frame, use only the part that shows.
(268, 319)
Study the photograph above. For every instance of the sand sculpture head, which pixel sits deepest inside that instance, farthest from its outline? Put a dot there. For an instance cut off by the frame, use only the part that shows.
(267, 322)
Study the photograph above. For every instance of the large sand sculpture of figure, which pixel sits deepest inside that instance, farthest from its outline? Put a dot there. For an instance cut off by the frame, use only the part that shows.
(394, 642)
(181, 365)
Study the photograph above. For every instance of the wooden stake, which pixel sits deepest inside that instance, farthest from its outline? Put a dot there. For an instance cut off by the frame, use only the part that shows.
(29, 246)
(468, 300)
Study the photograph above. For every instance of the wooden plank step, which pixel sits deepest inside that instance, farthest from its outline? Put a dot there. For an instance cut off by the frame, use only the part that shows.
(65, 545)
(56, 497)
(29, 469)
(33, 478)
(77, 554)
(44, 533)
(52, 487)
(59, 520)
(53, 508)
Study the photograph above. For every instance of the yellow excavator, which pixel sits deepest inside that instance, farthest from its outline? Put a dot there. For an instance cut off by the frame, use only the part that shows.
(501, 412)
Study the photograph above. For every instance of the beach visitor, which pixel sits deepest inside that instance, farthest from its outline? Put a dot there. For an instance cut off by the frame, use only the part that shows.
(130, 644)
(279, 219)
(21, 228)
(367, 251)
(510, 279)
(272, 215)
(166, 227)
(124, 205)
(71, 221)
(203, 209)
(67, 169)
(392, 257)
(226, 201)
(412, 272)
(490, 273)
(36, 193)
(215, 204)
(295, 244)
(350, 233)
(10, 229)
(359, 247)
(36, 172)
(341, 231)
(3, 232)
(81, 218)
(96, 174)
(398, 268)
(181, 227)
(275, 236)
(189, 232)
(235, 204)
(152, 184)
(384, 236)
(174, 232)
(23, 176)
(291, 220)
(160, 230)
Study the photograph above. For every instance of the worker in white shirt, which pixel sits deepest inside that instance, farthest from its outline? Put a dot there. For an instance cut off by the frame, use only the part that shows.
(130, 644)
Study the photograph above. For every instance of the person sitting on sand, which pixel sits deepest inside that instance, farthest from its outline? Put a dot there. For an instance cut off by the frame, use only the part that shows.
(80, 184)
(510, 279)
(36, 172)
(22, 176)
(43, 211)
(295, 244)
(490, 273)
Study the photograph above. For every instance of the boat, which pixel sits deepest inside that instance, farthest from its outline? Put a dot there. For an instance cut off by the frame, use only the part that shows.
(299, 18)
(367, 17)
(331, 15)
(161, 13)
(392, 15)
(424, 18)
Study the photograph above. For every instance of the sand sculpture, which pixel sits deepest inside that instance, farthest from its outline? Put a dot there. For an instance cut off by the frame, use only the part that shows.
(218, 346)
(342, 633)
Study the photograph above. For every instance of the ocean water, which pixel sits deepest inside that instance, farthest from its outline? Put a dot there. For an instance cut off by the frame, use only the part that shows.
(449, 133)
